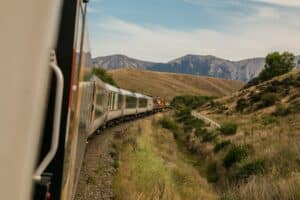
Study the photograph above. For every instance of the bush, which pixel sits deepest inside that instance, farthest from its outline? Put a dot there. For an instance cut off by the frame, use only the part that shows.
(104, 76)
(281, 111)
(212, 175)
(189, 101)
(241, 104)
(277, 64)
(269, 120)
(208, 137)
(268, 99)
(219, 146)
(249, 169)
(184, 116)
(229, 128)
(170, 125)
(235, 154)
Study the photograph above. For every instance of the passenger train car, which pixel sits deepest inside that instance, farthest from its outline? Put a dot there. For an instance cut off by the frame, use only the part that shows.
(48, 110)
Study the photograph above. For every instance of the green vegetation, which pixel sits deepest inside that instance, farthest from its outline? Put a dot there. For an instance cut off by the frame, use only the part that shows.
(276, 64)
(156, 169)
(249, 169)
(183, 115)
(269, 120)
(208, 137)
(281, 110)
(104, 76)
(169, 124)
(222, 145)
(241, 104)
(234, 155)
(212, 175)
(228, 128)
(191, 102)
(268, 99)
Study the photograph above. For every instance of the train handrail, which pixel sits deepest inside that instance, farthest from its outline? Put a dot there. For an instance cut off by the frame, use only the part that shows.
(56, 123)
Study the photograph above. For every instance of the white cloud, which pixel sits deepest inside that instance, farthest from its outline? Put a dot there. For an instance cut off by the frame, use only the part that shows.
(276, 2)
(256, 35)
(281, 2)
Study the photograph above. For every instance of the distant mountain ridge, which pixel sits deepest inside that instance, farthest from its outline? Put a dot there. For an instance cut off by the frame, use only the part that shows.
(207, 65)
(120, 61)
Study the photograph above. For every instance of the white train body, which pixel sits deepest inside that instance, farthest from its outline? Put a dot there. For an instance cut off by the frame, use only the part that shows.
(102, 103)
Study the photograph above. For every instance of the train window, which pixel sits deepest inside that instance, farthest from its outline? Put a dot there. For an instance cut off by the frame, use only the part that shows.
(143, 103)
(116, 101)
(112, 101)
(120, 101)
(130, 102)
(100, 108)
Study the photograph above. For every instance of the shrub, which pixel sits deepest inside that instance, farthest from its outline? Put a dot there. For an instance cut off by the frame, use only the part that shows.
(200, 132)
(212, 175)
(241, 104)
(234, 155)
(184, 116)
(219, 146)
(208, 137)
(104, 76)
(269, 120)
(228, 128)
(254, 97)
(170, 125)
(281, 111)
(249, 169)
(268, 99)
(189, 101)
(277, 64)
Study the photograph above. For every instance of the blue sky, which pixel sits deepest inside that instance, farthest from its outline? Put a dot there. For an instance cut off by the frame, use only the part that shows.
(161, 30)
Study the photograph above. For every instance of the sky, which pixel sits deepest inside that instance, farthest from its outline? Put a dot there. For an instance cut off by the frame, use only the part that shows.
(162, 30)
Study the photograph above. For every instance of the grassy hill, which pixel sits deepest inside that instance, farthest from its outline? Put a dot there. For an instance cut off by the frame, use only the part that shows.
(169, 85)
(261, 158)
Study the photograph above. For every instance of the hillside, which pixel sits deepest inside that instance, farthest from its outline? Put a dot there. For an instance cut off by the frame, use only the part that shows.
(255, 154)
(168, 85)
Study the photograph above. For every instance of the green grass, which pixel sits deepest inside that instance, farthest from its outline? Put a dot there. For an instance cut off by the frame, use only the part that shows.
(228, 128)
(235, 155)
(222, 145)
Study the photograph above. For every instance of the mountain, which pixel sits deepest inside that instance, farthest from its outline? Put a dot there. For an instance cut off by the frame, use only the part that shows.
(213, 66)
(243, 70)
(169, 85)
(120, 61)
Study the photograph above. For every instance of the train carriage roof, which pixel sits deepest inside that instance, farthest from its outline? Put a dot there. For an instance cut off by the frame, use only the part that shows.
(142, 96)
(127, 93)
(112, 88)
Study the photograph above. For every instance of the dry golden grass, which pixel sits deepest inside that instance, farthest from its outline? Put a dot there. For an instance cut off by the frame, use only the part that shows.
(151, 167)
(273, 139)
(168, 85)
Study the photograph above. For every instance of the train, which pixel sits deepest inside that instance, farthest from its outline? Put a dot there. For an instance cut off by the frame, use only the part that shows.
(49, 109)
(104, 105)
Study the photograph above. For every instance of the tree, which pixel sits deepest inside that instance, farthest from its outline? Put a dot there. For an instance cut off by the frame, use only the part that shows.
(277, 64)
(104, 76)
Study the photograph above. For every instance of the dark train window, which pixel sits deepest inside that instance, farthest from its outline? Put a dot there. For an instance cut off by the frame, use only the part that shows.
(99, 108)
(131, 102)
(143, 103)
(120, 101)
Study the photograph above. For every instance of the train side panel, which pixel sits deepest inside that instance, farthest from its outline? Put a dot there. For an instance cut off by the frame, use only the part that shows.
(100, 108)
